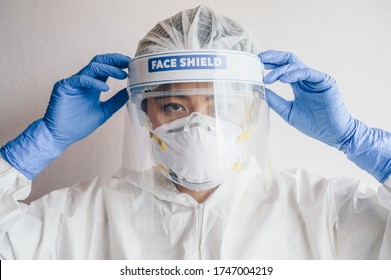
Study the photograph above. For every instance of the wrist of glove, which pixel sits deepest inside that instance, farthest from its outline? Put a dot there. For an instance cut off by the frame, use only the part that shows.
(370, 149)
(35, 145)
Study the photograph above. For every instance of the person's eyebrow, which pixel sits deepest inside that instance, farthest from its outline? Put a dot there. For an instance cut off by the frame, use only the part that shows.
(184, 97)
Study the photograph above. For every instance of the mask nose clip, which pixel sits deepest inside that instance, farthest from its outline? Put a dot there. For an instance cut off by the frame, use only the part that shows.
(196, 120)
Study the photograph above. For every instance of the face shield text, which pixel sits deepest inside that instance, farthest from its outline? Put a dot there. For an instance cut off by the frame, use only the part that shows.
(188, 62)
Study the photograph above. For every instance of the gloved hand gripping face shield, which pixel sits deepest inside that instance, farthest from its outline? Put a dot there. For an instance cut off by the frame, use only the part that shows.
(199, 108)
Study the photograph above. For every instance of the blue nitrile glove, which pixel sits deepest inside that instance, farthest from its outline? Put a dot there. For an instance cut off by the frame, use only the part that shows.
(318, 111)
(74, 112)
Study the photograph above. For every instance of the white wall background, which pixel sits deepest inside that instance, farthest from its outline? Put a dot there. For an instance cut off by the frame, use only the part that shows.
(43, 41)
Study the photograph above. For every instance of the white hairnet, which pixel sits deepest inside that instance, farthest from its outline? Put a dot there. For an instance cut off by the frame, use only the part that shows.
(194, 29)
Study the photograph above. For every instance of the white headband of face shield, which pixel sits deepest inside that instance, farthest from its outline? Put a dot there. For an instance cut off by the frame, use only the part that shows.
(194, 66)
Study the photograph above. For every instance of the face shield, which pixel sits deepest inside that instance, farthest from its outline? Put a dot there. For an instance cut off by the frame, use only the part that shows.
(195, 116)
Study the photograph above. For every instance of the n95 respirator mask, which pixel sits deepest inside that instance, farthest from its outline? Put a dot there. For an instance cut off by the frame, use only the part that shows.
(198, 152)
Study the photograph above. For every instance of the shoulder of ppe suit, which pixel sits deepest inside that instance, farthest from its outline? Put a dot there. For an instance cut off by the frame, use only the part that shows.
(302, 184)
(309, 186)
(352, 192)
(101, 191)
(80, 197)
(98, 191)
(340, 190)
(15, 183)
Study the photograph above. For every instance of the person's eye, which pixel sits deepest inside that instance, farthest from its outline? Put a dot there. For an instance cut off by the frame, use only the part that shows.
(173, 107)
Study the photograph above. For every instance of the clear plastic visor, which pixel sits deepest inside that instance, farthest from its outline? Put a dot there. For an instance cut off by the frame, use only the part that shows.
(235, 103)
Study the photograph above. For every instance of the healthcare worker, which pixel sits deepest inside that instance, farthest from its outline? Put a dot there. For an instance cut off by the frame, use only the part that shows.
(199, 188)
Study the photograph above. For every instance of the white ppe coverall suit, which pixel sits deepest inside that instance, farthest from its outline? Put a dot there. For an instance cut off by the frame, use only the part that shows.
(298, 215)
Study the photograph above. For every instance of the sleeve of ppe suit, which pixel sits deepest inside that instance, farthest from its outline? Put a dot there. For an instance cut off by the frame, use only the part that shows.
(26, 231)
(14, 186)
(384, 195)
(387, 183)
